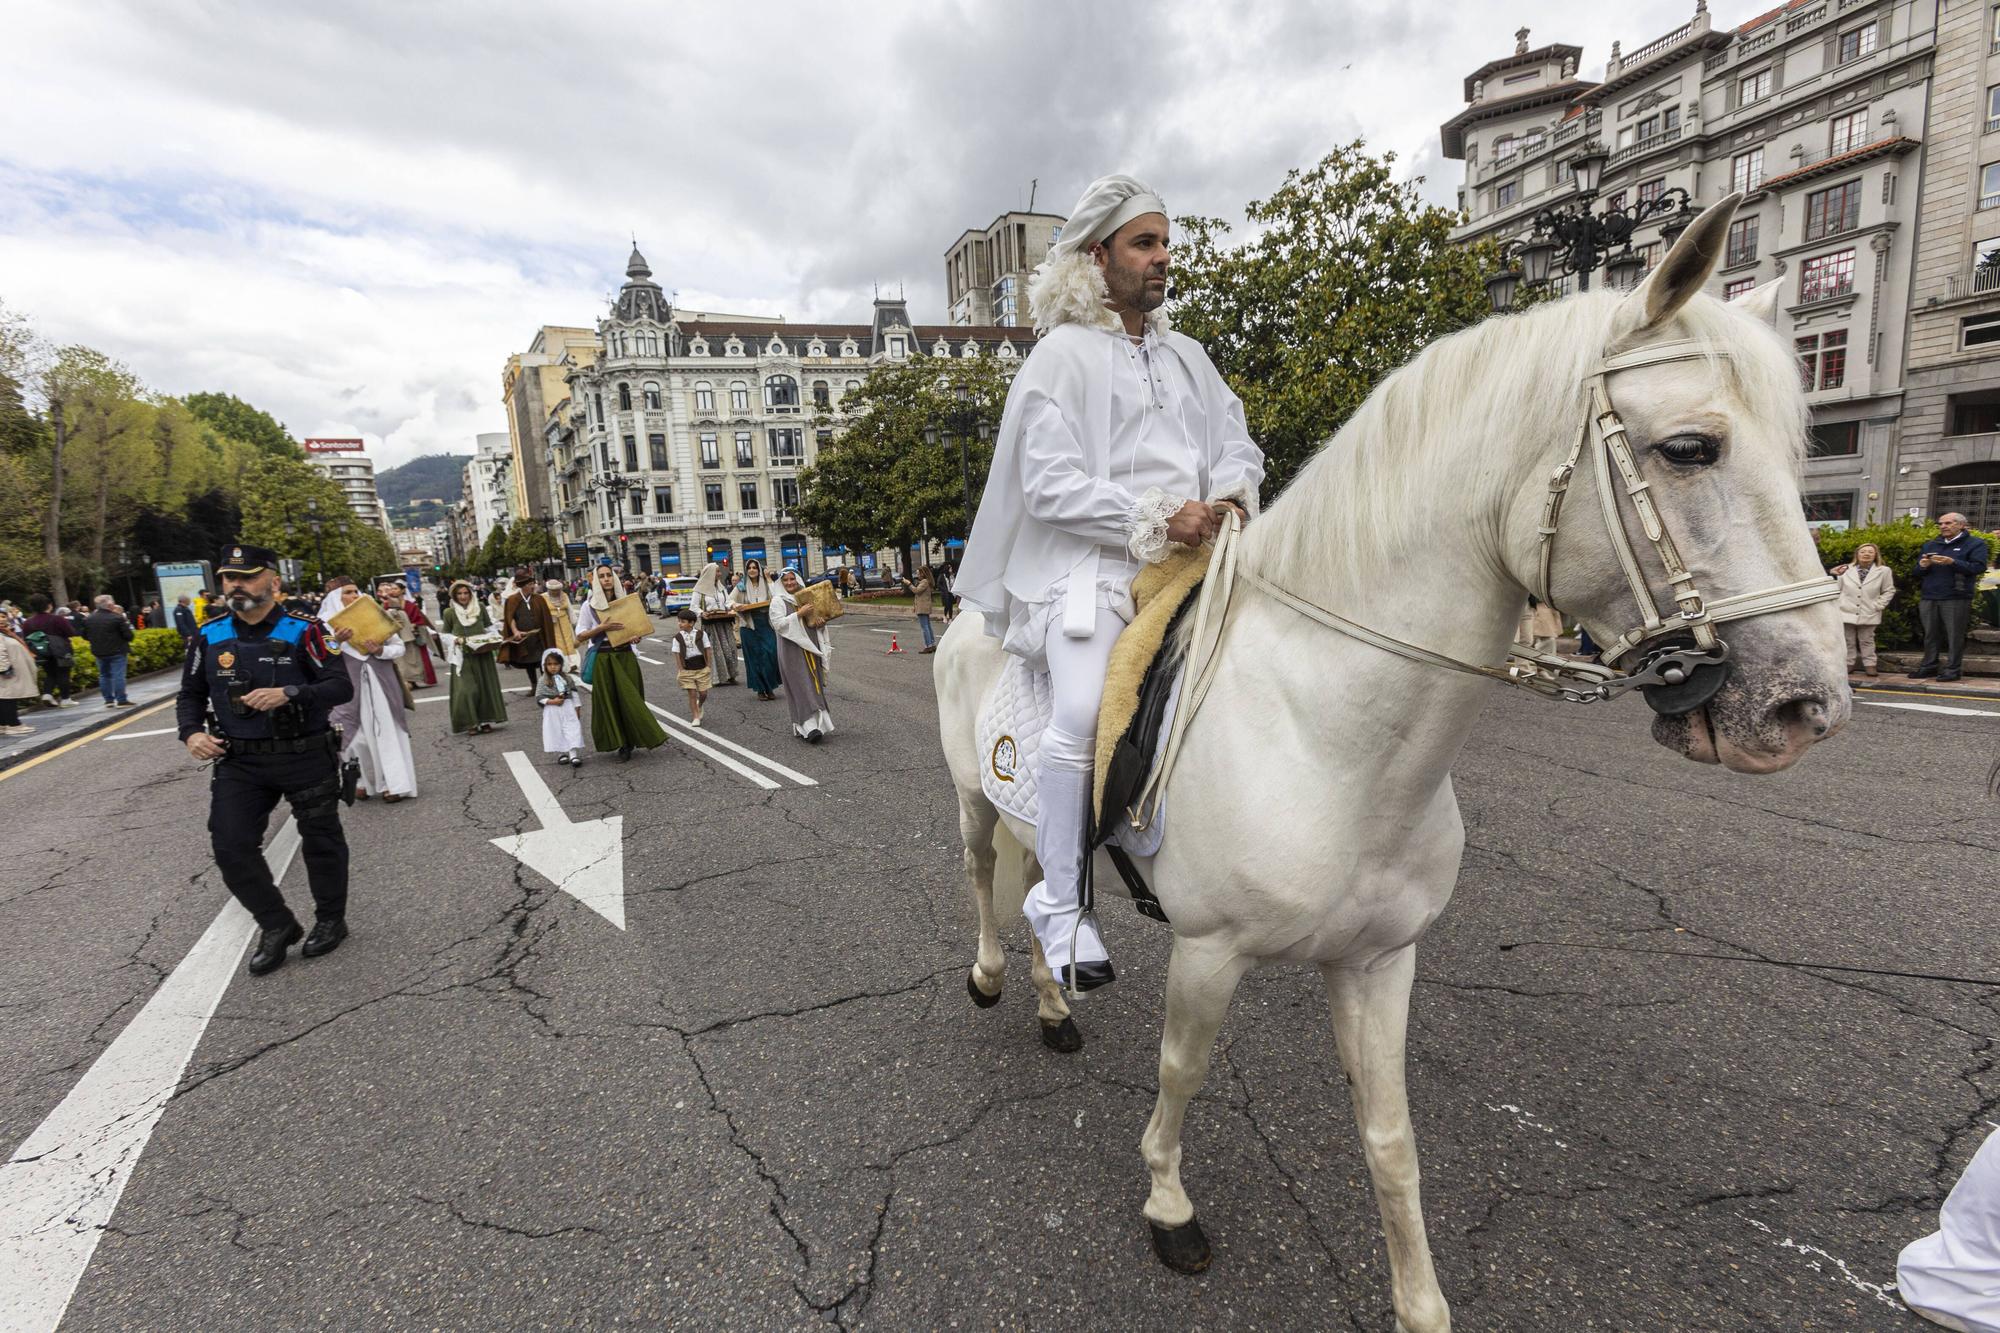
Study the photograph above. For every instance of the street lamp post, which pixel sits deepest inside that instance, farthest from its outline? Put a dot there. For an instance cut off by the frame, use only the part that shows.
(315, 522)
(615, 485)
(962, 421)
(1576, 240)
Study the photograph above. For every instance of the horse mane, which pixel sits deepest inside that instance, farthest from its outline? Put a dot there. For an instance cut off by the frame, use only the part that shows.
(1436, 445)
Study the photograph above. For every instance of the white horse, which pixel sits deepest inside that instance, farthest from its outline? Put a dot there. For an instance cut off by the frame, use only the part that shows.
(1312, 818)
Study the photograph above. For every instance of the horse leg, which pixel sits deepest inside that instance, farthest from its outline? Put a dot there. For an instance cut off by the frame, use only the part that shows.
(1059, 1030)
(976, 824)
(1371, 1012)
(1200, 982)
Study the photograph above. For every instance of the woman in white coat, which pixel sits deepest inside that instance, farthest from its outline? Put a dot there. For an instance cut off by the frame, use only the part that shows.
(1866, 588)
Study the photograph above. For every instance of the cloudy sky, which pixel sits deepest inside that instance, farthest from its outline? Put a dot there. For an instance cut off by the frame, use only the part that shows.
(349, 213)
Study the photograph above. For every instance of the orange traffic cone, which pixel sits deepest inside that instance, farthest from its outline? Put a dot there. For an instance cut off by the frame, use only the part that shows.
(894, 647)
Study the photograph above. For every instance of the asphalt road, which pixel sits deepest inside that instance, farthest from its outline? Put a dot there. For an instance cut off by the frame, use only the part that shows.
(1687, 1052)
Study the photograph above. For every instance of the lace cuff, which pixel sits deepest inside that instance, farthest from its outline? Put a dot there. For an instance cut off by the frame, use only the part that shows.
(1146, 534)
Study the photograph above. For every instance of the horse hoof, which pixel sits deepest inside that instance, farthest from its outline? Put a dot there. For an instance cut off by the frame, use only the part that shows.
(979, 997)
(1184, 1248)
(1063, 1037)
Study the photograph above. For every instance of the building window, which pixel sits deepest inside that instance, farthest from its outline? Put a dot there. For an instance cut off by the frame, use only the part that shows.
(1989, 185)
(1849, 131)
(739, 397)
(746, 495)
(896, 348)
(711, 496)
(1732, 290)
(1829, 508)
(599, 400)
(1834, 439)
(1753, 87)
(1832, 211)
(704, 399)
(1746, 171)
(1822, 360)
(1507, 193)
(781, 391)
(1663, 122)
(823, 437)
(624, 398)
(1742, 248)
(652, 397)
(822, 396)
(718, 550)
(663, 499)
(711, 454)
(1826, 277)
(785, 492)
(631, 454)
(1857, 43)
(787, 446)
(744, 456)
(1978, 331)
(656, 445)
(638, 503)
(1652, 189)
(645, 558)
(670, 557)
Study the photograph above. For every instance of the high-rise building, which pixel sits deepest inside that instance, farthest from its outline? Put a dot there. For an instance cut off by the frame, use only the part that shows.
(1814, 112)
(1949, 456)
(354, 472)
(986, 271)
(489, 483)
(529, 383)
(683, 433)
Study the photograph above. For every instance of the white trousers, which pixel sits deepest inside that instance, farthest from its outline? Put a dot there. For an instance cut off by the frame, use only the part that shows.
(1063, 784)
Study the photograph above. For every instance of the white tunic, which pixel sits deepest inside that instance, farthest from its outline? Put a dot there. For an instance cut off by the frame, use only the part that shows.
(1101, 442)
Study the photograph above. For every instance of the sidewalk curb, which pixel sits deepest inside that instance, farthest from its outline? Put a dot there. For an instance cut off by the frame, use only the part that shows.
(42, 745)
(1952, 687)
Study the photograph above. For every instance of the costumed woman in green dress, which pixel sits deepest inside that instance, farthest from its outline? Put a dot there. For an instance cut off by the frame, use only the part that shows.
(619, 718)
(752, 600)
(469, 640)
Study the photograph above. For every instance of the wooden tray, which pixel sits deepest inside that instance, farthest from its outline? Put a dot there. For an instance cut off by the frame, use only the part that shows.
(364, 618)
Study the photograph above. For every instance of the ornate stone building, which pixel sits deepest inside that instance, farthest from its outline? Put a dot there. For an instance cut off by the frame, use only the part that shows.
(1816, 111)
(681, 436)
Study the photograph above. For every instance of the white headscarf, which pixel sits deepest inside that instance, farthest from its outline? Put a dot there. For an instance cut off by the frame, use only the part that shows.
(709, 585)
(749, 590)
(1068, 287)
(600, 601)
(331, 606)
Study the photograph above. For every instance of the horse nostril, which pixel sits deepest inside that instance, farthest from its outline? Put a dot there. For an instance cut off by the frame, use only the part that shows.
(1807, 714)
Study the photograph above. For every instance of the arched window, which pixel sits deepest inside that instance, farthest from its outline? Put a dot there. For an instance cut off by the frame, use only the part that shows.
(852, 386)
(822, 396)
(719, 550)
(793, 548)
(599, 400)
(624, 398)
(704, 397)
(652, 396)
(739, 397)
(781, 391)
(670, 558)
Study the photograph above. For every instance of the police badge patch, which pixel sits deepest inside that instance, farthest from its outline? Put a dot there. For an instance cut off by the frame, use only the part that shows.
(225, 660)
(1004, 758)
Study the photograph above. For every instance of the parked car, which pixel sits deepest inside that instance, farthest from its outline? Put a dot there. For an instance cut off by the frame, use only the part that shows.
(679, 593)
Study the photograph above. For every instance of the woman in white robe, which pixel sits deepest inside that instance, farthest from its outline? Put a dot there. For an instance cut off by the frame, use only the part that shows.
(374, 729)
(802, 653)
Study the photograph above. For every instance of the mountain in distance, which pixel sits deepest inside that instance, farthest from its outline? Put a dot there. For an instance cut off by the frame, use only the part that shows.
(432, 477)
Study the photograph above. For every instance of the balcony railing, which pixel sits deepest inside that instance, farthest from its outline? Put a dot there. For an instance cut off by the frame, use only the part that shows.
(1829, 289)
(1983, 280)
(1740, 254)
(1647, 144)
(1758, 42)
(1653, 48)
(1805, 20)
(1989, 201)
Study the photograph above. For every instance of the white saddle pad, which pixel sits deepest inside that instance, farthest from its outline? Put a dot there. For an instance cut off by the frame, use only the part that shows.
(1012, 718)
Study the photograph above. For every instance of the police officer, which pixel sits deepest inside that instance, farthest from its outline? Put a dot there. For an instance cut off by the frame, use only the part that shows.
(255, 694)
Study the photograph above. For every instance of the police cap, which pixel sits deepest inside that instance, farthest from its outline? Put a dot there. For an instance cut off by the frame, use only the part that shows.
(246, 559)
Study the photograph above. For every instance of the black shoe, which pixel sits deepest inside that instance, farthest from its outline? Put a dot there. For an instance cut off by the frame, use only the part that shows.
(624, 752)
(1923, 671)
(271, 946)
(327, 933)
(1089, 976)
(1947, 675)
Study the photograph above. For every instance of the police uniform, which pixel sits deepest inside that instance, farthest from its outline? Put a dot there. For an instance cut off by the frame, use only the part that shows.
(290, 752)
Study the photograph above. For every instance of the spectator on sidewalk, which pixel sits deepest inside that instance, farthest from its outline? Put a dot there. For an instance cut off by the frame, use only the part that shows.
(1866, 587)
(919, 589)
(17, 678)
(49, 633)
(184, 621)
(109, 635)
(1948, 570)
(1540, 626)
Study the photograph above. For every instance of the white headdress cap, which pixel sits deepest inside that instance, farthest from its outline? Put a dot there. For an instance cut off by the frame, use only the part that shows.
(1108, 204)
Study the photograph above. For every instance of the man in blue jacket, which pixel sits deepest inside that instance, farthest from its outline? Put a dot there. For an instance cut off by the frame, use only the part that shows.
(1948, 570)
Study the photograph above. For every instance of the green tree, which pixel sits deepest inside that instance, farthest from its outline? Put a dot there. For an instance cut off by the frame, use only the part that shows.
(280, 498)
(1347, 274)
(229, 415)
(881, 482)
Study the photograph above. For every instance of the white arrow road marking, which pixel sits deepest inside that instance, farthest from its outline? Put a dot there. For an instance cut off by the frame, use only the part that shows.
(58, 1190)
(1931, 708)
(585, 859)
(743, 750)
(643, 658)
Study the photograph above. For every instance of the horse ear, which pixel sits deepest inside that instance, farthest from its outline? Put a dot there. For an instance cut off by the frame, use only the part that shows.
(1676, 278)
(1761, 302)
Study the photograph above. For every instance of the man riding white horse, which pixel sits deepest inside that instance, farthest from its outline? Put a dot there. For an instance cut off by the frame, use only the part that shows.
(1119, 437)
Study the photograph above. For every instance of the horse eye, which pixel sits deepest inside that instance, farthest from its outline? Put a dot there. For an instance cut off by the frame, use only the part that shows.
(1690, 450)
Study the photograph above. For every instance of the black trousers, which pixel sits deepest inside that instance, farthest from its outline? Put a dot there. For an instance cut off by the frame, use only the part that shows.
(244, 791)
(1945, 626)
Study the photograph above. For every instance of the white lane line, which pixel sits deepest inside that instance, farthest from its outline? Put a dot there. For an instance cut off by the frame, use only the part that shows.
(135, 735)
(643, 658)
(58, 1190)
(1931, 708)
(718, 756)
(443, 698)
(743, 750)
